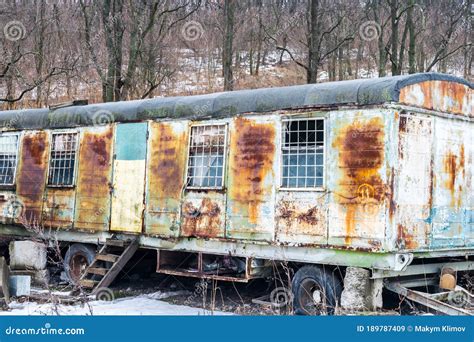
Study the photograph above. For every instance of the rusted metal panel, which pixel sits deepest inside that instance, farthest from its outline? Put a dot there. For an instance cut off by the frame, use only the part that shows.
(165, 177)
(94, 179)
(452, 209)
(252, 178)
(414, 182)
(32, 173)
(358, 178)
(129, 177)
(301, 217)
(203, 214)
(439, 95)
(58, 207)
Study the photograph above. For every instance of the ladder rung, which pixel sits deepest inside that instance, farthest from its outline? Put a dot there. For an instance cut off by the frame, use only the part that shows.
(116, 243)
(88, 283)
(107, 257)
(97, 270)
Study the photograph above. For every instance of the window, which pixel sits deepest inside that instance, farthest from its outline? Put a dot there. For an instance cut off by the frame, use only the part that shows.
(8, 158)
(63, 159)
(303, 153)
(206, 156)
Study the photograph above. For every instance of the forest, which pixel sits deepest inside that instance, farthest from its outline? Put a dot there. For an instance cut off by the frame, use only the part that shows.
(54, 51)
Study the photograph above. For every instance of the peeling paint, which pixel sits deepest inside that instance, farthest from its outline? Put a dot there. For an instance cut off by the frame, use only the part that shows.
(251, 178)
(94, 179)
(165, 176)
(32, 174)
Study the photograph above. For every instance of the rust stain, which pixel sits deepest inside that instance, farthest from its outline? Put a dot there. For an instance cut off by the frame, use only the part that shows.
(309, 217)
(361, 155)
(252, 154)
(350, 223)
(204, 221)
(93, 180)
(167, 163)
(58, 209)
(32, 174)
(289, 213)
(294, 220)
(405, 239)
(454, 166)
(438, 95)
(391, 195)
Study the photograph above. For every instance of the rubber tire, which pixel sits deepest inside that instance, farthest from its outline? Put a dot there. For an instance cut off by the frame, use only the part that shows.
(86, 250)
(325, 279)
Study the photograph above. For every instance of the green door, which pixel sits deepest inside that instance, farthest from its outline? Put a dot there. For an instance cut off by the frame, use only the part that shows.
(129, 177)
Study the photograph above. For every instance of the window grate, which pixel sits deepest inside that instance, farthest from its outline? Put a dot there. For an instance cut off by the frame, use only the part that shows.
(206, 156)
(8, 158)
(303, 153)
(63, 159)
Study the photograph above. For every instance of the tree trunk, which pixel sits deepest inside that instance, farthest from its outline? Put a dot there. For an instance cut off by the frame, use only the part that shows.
(411, 38)
(229, 7)
(112, 21)
(313, 53)
(394, 36)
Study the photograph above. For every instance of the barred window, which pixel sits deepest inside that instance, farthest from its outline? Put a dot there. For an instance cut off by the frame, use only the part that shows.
(303, 153)
(63, 159)
(8, 158)
(206, 156)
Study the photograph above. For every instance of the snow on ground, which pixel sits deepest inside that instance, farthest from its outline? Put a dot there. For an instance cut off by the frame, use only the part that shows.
(149, 304)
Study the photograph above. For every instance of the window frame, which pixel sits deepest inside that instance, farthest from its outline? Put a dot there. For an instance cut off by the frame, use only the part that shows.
(17, 155)
(224, 158)
(76, 159)
(282, 142)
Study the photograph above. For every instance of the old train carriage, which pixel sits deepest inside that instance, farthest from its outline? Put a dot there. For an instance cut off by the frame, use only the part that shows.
(373, 173)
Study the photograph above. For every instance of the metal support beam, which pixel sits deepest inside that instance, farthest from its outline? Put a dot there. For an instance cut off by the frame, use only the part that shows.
(422, 269)
(426, 300)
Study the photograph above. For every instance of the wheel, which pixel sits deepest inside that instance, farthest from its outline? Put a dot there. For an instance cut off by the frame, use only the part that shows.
(78, 257)
(316, 291)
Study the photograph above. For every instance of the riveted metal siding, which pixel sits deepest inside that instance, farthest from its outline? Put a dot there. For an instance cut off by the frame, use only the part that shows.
(165, 177)
(32, 173)
(94, 177)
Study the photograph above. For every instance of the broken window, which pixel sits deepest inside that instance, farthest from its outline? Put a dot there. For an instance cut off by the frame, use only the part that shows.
(8, 158)
(303, 153)
(206, 156)
(63, 159)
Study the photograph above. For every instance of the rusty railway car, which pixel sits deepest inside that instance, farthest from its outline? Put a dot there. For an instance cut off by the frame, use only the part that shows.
(375, 173)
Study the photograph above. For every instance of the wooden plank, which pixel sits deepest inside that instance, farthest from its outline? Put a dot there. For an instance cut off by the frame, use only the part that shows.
(97, 270)
(88, 283)
(118, 265)
(107, 257)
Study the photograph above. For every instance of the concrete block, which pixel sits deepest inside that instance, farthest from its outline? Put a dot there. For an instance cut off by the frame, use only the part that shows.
(356, 289)
(27, 255)
(20, 285)
(38, 277)
(4, 281)
(360, 292)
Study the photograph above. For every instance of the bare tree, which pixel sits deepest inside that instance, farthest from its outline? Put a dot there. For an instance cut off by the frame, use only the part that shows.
(229, 9)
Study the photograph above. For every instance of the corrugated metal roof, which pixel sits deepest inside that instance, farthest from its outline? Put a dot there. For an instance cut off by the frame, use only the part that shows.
(216, 105)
